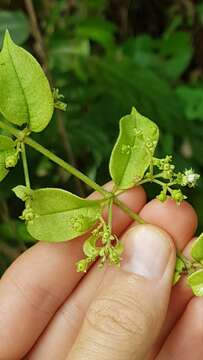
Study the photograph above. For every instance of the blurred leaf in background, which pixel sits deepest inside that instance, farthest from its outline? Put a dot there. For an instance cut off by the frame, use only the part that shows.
(17, 23)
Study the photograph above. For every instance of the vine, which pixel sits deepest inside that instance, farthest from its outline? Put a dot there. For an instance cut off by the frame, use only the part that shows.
(56, 215)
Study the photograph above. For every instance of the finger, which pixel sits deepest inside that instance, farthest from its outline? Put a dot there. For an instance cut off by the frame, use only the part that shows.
(120, 318)
(40, 281)
(180, 297)
(185, 340)
(180, 221)
(61, 333)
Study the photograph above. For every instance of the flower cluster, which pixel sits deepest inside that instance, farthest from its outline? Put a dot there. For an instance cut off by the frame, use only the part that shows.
(101, 244)
(170, 180)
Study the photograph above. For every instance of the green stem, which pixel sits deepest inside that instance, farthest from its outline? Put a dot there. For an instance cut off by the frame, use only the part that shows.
(20, 135)
(10, 129)
(25, 165)
(110, 214)
(32, 143)
(159, 182)
(185, 260)
(128, 211)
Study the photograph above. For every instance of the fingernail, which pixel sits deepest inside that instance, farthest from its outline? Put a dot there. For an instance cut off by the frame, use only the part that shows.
(147, 251)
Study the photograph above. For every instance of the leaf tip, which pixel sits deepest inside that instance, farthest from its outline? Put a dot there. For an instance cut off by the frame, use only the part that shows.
(7, 35)
(134, 111)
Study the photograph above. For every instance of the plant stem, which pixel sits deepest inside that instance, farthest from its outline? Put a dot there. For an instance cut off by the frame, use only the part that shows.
(36, 33)
(66, 166)
(110, 214)
(25, 166)
(185, 260)
(128, 211)
(35, 145)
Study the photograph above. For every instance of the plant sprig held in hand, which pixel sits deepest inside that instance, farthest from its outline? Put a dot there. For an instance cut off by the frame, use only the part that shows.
(56, 215)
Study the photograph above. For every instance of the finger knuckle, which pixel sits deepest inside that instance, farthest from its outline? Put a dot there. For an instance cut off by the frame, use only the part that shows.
(121, 317)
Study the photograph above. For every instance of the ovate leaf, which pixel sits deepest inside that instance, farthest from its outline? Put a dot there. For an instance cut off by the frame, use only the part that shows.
(195, 281)
(197, 249)
(176, 277)
(133, 150)
(89, 247)
(59, 215)
(26, 97)
(22, 192)
(179, 268)
(6, 143)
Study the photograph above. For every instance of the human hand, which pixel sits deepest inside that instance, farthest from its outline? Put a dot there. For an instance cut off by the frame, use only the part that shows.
(48, 311)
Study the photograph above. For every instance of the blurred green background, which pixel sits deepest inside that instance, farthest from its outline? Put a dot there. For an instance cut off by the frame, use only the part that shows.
(105, 56)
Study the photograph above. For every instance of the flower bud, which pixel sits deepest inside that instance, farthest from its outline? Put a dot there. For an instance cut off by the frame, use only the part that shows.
(11, 161)
(178, 196)
(28, 214)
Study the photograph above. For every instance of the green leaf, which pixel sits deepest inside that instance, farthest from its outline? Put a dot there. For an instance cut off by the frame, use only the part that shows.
(22, 192)
(176, 277)
(176, 53)
(26, 97)
(3, 156)
(89, 247)
(179, 268)
(6, 143)
(197, 249)
(3, 170)
(192, 99)
(195, 281)
(133, 150)
(98, 30)
(59, 215)
(17, 23)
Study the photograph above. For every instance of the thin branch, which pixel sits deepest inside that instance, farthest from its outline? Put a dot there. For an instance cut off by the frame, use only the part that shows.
(72, 170)
(25, 165)
(37, 34)
(42, 53)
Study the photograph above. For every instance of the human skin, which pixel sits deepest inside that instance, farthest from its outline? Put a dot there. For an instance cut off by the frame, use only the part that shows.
(49, 311)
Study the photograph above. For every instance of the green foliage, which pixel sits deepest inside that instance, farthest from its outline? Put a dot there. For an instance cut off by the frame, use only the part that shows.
(6, 143)
(192, 98)
(27, 97)
(104, 64)
(98, 30)
(193, 267)
(195, 280)
(17, 23)
(179, 269)
(8, 157)
(197, 249)
(133, 150)
(170, 55)
(56, 215)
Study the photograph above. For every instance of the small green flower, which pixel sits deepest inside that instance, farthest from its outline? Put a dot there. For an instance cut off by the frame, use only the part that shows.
(11, 161)
(162, 196)
(28, 214)
(82, 265)
(178, 196)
